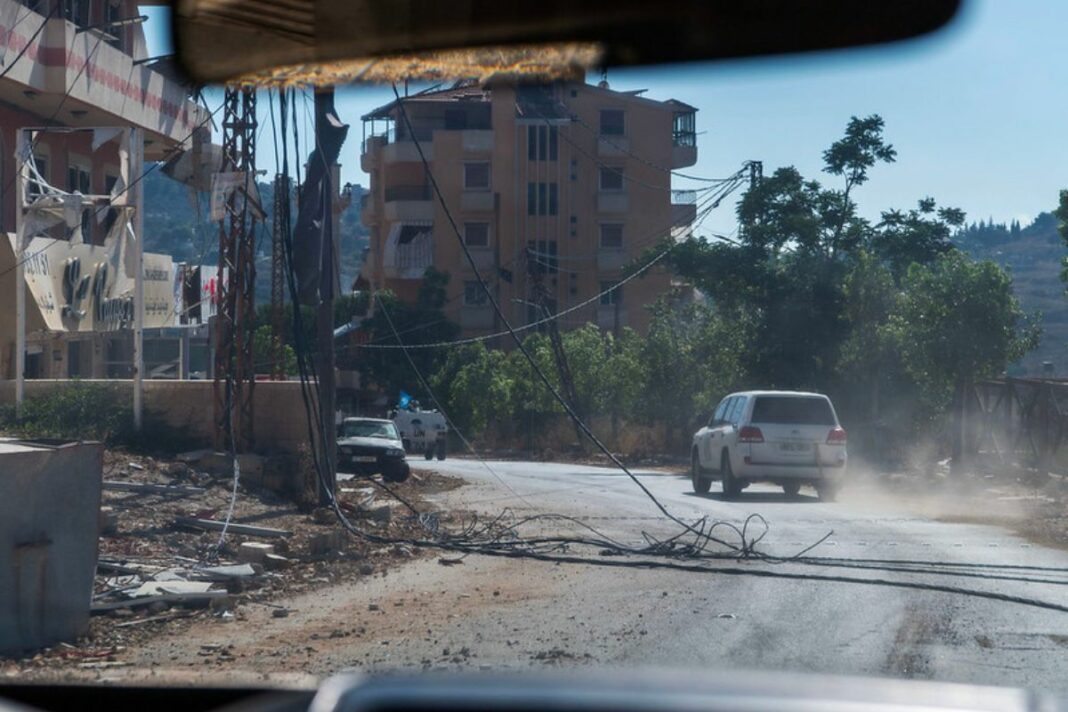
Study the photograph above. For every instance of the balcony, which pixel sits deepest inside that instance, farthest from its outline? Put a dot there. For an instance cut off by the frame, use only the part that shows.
(611, 259)
(477, 140)
(477, 201)
(406, 152)
(98, 79)
(372, 148)
(683, 156)
(613, 146)
(408, 203)
(408, 251)
(683, 208)
(612, 201)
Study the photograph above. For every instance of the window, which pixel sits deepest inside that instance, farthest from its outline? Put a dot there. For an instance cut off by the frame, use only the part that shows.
(455, 119)
(474, 295)
(611, 178)
(734, 414)
(541, 199)
(793, 410)
(542, 256)
(40, 162)
(611, 299)
(721, 410)
(477, 176)
(542, 143)
(612, 122)
(78, 179)
(611, 236)
(113, 13)
(684, 129)
(476, 234)
(76, 11)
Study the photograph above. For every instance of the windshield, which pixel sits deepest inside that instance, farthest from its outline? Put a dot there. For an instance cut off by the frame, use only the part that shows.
(792, 409)
(570, 295)
(369, 429)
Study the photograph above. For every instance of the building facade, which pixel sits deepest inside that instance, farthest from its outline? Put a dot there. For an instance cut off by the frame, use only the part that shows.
(76, 64)
(555, 190)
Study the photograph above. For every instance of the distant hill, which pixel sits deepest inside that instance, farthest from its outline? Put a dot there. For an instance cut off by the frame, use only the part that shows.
(1032, 254)
(176, 224)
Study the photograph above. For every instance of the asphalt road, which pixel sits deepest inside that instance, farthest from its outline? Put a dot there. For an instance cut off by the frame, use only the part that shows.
(513, 614)
(659, 617)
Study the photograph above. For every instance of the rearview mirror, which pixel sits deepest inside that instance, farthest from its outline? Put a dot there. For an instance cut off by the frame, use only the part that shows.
(222, 40)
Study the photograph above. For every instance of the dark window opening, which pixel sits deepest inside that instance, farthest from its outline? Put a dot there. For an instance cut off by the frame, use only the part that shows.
(612, 123)
(542, 143)
(542, 199)
(542, 257)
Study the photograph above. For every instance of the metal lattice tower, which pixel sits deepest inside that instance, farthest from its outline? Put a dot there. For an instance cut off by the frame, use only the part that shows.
(235, 374)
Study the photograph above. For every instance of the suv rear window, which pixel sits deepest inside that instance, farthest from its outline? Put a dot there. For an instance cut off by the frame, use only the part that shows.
(792, 409)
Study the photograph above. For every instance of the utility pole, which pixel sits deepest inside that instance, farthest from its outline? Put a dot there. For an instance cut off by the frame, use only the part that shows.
(541, 299)
(756, 173)
(281, 196)
(324, 111)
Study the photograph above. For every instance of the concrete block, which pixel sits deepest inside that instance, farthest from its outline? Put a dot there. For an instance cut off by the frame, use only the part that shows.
(325, 543)
(49, 522)
(254, 552)
(108, 522)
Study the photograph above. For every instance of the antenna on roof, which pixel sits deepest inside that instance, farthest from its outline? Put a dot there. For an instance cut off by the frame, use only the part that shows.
(603, 84)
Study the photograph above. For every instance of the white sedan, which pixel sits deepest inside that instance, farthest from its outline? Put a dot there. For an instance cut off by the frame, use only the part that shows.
(790, 438)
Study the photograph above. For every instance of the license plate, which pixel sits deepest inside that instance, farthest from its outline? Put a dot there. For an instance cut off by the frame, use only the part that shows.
(795, 447)
(364, 458)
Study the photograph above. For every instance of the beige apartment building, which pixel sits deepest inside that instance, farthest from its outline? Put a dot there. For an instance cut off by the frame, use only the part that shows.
(553, 187)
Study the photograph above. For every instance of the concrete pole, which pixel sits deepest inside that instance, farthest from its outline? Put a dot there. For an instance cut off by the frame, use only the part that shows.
(136, 187)
(20, 275)
(324, 106)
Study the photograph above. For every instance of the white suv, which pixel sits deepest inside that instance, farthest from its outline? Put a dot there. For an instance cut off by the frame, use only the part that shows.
(789, 438)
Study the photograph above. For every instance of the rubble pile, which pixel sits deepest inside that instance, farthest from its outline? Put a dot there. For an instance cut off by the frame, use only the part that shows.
(163, 559)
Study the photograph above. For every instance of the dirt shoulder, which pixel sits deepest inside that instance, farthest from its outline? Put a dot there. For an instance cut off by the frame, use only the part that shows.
(1034, 507)
(143, 543)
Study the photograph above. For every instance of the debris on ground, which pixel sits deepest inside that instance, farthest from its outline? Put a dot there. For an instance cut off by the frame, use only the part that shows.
(163, 561)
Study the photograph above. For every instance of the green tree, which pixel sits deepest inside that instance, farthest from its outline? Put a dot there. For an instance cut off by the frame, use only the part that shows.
(420, 323)
(958, 321)
(689, 358)
(473, 387)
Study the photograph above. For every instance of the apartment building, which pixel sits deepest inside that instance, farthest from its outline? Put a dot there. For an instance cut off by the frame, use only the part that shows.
(554, 189)
(76, 64)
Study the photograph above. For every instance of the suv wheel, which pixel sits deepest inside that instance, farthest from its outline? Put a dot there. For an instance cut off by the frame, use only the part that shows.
(731, 486)
(701, 484)
(792, 489)
(440, 453)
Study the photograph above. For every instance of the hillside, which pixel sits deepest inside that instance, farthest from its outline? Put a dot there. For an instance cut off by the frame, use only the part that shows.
(176, 224)
(1032, 254)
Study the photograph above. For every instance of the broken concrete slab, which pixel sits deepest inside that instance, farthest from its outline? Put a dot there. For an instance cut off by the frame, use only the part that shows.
(155, 588)
(225, 573)
(144, 488)
(184, 599)
(243, 529)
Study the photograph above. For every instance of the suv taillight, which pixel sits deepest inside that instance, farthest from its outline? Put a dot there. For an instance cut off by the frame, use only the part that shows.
(750, 434)
(837, 436)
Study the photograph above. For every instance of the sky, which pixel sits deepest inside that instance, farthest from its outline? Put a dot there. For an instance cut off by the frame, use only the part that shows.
(976, 111)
